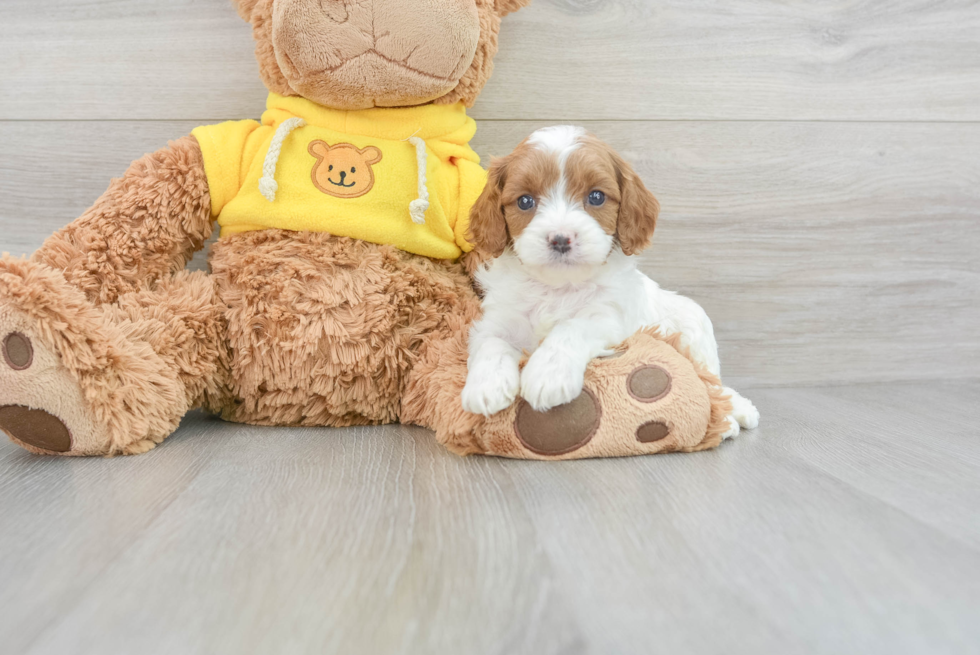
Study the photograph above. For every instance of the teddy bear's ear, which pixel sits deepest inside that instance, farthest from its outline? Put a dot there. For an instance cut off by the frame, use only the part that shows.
(505, 7)
(476, 76)
(245, 8)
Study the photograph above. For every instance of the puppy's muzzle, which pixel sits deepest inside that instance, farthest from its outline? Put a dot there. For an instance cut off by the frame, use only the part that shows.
(560, 243)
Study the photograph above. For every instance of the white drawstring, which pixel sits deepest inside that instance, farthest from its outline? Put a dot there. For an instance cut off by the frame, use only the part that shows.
(268, 185)
(417, 208)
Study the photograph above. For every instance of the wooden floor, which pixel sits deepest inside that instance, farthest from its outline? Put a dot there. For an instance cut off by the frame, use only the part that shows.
(818, 170)
(848, 523)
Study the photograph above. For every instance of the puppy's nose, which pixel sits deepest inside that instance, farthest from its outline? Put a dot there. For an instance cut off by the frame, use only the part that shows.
(343, 174)
(560, 243)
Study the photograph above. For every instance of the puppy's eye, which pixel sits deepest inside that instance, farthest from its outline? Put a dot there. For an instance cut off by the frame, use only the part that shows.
(597, 198)
(330, 168)
(352, 170)
(525, 203)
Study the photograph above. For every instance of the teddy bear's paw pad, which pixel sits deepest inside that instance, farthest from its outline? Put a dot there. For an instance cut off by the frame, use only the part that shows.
(648, 384)
(652, 432)
(18, 353)
(561, 430)
(42, 407)
(35, 428)
(652, 398)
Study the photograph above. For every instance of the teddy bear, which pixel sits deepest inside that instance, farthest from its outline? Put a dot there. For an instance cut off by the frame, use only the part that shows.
(338, 292)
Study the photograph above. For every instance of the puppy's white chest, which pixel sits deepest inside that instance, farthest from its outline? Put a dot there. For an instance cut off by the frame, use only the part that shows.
(552, 307)
(543, 328)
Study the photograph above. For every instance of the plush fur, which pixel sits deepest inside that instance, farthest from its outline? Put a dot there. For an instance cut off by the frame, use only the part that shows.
(325, 330)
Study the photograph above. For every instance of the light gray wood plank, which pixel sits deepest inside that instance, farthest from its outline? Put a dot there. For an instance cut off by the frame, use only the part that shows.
(824, 252)
(875, 435)
(326, 541)
(240, 539)
(65, 521)
(559, 59)
(790, 539)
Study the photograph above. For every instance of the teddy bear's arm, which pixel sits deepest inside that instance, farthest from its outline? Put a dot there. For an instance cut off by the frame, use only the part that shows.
(147, 224)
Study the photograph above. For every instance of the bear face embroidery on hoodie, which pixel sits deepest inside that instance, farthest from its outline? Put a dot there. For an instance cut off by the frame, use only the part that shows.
(343, 170)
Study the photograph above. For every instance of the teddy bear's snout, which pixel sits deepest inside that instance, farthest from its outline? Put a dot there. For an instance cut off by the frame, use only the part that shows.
(367, 53)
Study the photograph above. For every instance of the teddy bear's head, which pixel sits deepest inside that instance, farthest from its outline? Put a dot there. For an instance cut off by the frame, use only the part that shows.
(358, 54)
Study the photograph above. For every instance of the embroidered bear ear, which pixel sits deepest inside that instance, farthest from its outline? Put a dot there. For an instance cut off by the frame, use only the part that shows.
(371, 155)
(319, 149)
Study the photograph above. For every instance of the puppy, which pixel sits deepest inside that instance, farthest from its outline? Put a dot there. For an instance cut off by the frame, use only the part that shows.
(560, 221)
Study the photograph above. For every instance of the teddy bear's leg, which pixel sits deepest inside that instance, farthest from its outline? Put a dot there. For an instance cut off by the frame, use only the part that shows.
(325, 330)
(146, 226)
(83, 379)
(104, 346)
(433, 396)
(647, 398)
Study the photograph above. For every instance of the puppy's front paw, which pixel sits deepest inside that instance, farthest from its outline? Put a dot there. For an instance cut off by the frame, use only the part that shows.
(746, 414)
(550, 379)
(743, 411)
(733, 428)
(491, 386)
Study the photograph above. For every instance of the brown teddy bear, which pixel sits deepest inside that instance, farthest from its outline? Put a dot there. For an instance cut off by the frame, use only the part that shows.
(335, 296)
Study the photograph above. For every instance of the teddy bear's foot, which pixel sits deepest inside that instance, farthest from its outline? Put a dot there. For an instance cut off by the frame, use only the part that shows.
(42, 406)
(73, 381)
(647, 398)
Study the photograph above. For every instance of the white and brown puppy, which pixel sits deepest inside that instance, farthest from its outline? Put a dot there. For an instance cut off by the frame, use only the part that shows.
(560, 221)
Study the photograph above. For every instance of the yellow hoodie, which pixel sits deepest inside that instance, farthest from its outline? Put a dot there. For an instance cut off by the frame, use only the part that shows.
(404, 177)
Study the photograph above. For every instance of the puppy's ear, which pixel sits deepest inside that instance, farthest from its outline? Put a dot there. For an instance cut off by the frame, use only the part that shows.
(638, 210)
(488, 227)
